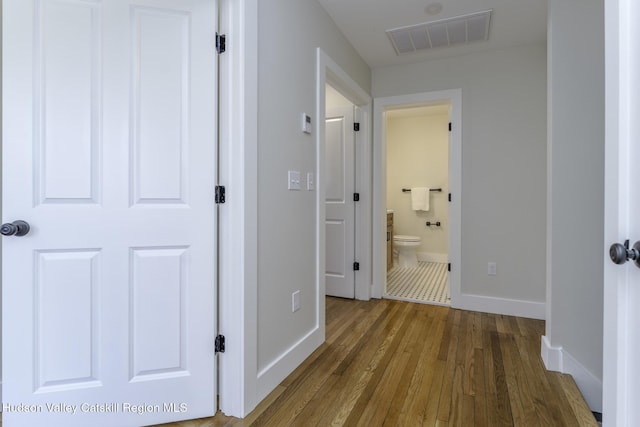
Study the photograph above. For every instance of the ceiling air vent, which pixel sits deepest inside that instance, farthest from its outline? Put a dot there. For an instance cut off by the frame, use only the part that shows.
(442, 33)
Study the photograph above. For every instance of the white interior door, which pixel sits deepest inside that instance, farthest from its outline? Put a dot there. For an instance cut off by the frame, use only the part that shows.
(339, 205)
(621, 382)
(109, 153)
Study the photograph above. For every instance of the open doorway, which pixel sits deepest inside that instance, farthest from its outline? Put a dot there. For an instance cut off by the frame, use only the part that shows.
(385, 192)
(417, 145)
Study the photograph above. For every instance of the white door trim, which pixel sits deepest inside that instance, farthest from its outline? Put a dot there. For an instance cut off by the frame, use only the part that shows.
(364, 208)
(381, 105)
(328, 71)
(238, 263)
(617, 400)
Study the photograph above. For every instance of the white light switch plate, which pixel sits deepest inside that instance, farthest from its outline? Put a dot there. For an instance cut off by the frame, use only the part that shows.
(311, 185)
(295, 301)
(294, 180)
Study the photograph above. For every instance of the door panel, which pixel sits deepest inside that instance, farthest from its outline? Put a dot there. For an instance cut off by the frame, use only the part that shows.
(109, 153)
(336, 155)
(336, 264)
(157, 317)
(63, 279)
(339, 206)
(66, 73)
(160, 113)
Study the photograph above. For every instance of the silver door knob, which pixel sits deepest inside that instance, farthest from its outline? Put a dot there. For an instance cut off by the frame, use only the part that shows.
(620, 253)
(15, 228)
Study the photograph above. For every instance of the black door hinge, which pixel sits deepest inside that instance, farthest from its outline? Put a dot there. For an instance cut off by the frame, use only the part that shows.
(356, 266)
(220, 341)
(356, 197)
(449, 126)
(449, 196)
(356, 127)
(221, 43)
(220, 194)
(449, 267)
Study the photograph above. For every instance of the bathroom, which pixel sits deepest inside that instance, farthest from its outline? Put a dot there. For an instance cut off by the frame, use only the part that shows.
(417, 143)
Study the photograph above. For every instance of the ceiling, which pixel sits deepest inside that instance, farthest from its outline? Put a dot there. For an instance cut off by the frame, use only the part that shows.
(364, 22)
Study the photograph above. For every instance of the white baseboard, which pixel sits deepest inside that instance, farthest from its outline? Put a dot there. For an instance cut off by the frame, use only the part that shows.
(559, 360)
(508, 307)
(551, 356)
(276, 371)
(432, 257)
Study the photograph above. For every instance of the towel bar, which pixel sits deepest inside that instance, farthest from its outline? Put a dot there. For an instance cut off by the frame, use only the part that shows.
(408, 190)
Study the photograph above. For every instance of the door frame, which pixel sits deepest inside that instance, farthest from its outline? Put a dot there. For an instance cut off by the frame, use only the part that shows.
(329, 72)
(453, 97)
(238, 218)
(618, 223)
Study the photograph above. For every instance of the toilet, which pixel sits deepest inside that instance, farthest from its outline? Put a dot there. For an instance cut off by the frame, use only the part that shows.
(406, 247)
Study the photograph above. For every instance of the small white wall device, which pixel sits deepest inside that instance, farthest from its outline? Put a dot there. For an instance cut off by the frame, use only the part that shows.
(306, 123)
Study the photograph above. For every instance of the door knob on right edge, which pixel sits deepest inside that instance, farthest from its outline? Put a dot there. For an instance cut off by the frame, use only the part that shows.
(16, 228)
(620, 253)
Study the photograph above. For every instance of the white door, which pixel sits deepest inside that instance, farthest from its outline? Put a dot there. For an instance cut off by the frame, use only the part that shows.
(109, 112)
(340, 205)
(621, 382)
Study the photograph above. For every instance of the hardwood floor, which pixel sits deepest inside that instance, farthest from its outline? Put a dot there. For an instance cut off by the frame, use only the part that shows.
(392, 363)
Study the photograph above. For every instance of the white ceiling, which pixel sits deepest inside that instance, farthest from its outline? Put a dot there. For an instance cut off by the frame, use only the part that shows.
(364, 22)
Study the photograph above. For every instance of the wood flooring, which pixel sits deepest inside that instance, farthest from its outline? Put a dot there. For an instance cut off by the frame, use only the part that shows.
(393, 363)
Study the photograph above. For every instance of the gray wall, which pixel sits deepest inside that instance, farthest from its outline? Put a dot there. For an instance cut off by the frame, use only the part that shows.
(503, 162)
(576, 170)
(289, 31)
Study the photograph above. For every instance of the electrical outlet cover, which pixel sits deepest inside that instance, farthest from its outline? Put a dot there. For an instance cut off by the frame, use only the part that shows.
(492, 269)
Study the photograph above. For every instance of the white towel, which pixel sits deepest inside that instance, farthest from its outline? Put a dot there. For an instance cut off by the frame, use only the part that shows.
(420, 199)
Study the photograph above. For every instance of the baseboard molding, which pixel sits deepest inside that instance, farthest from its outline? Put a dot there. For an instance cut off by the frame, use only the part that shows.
(508, 307)
(276, 371)
(432, 257)
(551, 356)
(559, 360)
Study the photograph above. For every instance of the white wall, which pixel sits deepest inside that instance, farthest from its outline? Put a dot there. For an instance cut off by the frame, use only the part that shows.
(289, 31)
(503, 163)
(574, 328)
(417, 156)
